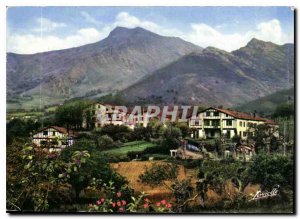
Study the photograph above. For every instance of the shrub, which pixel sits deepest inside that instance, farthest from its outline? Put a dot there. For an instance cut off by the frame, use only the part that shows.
(270, 170)
(117, 132)
(105, 142)
(158, 173)
(134, 154)
(155, 150)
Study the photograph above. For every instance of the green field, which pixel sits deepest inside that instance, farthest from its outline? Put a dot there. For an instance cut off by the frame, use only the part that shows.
(130, 146)
(24, 115)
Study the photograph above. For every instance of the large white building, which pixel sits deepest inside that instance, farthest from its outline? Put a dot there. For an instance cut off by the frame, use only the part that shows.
(214, 122)
(99, 114)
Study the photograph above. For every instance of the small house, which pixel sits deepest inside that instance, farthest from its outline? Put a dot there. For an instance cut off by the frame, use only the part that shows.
(54, 138)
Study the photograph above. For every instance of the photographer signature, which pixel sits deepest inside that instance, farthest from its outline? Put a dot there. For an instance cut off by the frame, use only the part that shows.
(262, 195)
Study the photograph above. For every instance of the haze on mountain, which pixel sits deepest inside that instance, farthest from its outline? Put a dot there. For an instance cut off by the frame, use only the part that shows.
(144, 67)
(216, 77)
(112, 64)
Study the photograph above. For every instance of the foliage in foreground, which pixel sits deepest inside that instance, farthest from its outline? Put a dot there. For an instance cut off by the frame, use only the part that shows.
(40, 179)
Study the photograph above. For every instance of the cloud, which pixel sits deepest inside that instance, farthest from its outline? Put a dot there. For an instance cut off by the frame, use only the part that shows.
(199, 33)
(88, 18)
(46, 25)
(30, 43)
(204, 35)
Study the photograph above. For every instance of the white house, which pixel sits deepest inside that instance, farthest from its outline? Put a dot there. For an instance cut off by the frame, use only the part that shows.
(213, 122)
(53, 138)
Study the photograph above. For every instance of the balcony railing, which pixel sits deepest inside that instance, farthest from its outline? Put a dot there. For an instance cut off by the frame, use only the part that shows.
(211, 126)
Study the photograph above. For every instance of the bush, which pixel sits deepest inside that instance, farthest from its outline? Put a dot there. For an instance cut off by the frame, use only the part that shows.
(142, 133)
(155, 150)
(118, 158)
(157, 173)
(210, 147)
(134, 154)
(117, 132)
(105, 142)
(270, 170)
(84, 135)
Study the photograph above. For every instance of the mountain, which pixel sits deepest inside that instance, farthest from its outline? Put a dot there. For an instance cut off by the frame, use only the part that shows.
(216, 77)
(112, 64)
(267, 105)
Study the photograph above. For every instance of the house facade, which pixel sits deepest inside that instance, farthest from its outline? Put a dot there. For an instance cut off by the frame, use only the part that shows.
(53, 138)
(215, 122)
(97, 115)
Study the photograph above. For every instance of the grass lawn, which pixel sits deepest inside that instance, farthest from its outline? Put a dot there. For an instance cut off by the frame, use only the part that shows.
(130, 146)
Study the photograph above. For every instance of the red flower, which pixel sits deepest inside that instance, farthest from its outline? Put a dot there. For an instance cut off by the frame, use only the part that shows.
(98, 202)
(119, 194)
(123, 202)
(169, 205)
(119, 203)
(102, 199)
(147, 200)
(163, 202)
(146, 205)
(121, 209)
(158, 204)
(113, 204)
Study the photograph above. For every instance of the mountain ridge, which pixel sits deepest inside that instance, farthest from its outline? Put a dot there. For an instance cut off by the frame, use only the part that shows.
(140, 64)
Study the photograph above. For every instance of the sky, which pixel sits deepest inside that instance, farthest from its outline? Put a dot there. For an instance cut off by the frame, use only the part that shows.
(39, 29)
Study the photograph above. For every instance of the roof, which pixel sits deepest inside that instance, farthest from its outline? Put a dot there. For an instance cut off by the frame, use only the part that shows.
(242, 115)
(61, 130)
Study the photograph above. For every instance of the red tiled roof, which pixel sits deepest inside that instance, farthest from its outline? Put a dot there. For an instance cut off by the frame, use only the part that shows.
(61, 130)
(242, 115)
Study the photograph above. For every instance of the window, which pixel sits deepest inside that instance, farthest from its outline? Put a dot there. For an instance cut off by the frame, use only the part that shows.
(228, 122)
(216, 113)
(240, 133)
(226, 115)
(207, 113)
(244, 124)
(45, 132)
(241, 123)
(216, 122)
(244, 134)
(206, 122)
(53, 133)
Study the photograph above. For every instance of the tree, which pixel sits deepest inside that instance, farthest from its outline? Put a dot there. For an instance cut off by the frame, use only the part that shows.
(184, 128)
(284, 110)
(171, 137)
(156, 128)
(117, 132)
(158, 174)
(95, 167)
(142, 133)
(41, 175)
(18, 128)
(262, 137)
(71, 115)
(270, 170)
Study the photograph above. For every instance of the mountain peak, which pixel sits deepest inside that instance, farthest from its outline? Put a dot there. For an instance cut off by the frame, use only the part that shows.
(256, 43)
(125, 32)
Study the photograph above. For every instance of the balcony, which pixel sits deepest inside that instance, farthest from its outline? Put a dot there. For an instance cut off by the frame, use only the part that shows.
(212, 126)
(211, 117)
